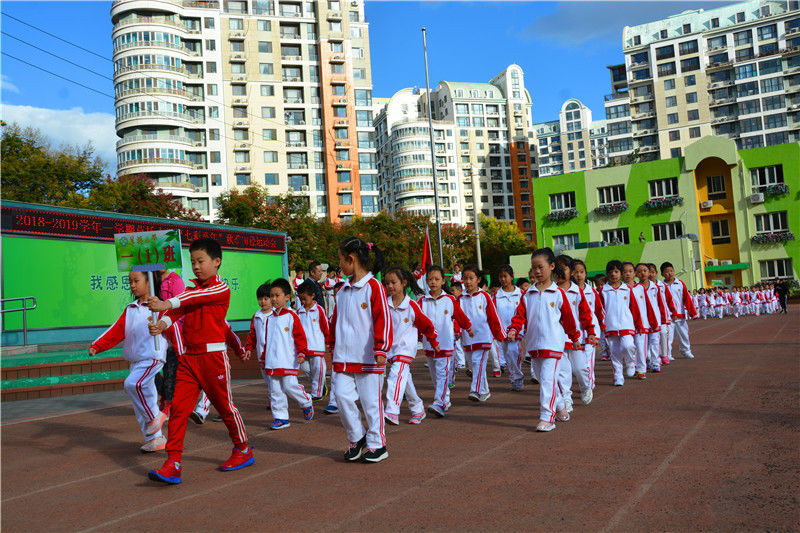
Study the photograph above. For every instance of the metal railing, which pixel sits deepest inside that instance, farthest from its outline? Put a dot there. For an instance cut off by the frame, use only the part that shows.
(24, 310)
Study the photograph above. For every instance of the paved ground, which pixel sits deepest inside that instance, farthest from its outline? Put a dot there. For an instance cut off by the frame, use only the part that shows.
(709, 444)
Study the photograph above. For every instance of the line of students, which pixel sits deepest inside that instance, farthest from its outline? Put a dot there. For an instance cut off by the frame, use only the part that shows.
(719, 302)
(556, 321)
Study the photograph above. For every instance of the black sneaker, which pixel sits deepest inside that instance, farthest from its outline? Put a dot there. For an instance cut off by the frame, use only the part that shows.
(197, 419)
(354, 452)
(376, 456)
(216, 418)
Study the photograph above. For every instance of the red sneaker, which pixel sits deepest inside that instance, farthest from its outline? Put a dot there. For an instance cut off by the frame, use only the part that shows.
(238, 459)
(496, 374)
(169, 473)
(641, 375)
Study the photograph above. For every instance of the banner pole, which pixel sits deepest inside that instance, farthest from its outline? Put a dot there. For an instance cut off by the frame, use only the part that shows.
(153, 293)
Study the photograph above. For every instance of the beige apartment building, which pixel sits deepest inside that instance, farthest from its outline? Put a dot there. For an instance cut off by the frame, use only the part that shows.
(732, 71)
(213, 96)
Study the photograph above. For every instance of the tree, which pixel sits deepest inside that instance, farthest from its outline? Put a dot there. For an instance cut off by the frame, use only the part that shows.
(499, 241)
(135, 195)
(33, 171)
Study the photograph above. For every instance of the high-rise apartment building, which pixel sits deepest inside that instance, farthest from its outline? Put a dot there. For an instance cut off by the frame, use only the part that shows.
(732, 71)
(573, 142)
(481, 147)
(213, 96)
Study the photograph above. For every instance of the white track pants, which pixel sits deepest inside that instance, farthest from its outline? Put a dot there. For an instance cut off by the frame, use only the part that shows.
(458, 354)
(317, 369)
(399, 385)
(439, 368)
(623, 352)
(565, 377)
(365, 388)
(495, 358)
(590, 350)
(281, 388)
(580, 366)
(550, 400)
(681, 328)
(266, 381)
(666, 341)
(654, 349)
(480, 385)
(512, 353)
(640, 341)
(140, 386)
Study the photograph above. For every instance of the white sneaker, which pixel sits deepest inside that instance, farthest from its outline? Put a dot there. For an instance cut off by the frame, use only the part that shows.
(154, 445)
(586, 396)
(630, 371)
(689, 356)
(484, 397)
(545, 426)
(568, 404)
(154, 426)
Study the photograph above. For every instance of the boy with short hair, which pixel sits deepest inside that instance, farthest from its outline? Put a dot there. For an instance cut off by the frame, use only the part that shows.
(205, 363)
(258, 329)
(285, 349)
(684, 310)
(315, 325)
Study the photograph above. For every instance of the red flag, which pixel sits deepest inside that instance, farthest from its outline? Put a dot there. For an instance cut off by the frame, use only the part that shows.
(427, 255)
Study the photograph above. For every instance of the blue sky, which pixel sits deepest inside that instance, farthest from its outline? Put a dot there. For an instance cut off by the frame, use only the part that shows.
(563, 48)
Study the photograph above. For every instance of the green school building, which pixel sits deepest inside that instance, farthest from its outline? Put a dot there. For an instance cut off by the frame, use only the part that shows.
(722, 216)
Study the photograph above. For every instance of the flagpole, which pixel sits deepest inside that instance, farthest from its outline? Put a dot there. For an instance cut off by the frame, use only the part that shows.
(433, 153)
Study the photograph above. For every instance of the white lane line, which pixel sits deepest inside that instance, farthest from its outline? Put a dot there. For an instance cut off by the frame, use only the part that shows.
(648, 484)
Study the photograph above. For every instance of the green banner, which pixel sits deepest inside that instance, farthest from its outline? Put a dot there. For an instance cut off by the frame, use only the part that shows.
(148, 251)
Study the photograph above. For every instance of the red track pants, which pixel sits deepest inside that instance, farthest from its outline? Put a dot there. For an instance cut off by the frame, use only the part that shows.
(211, 373)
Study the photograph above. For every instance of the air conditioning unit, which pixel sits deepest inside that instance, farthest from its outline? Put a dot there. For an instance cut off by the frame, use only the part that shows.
(757, 198)
(726, 262)
(354, 3)
(712, 262)
(707, 204)
(339, 143)
(340, 167)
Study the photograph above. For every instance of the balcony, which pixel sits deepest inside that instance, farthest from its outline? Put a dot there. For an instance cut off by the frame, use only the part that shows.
(159, 115)
(158, 90)
(337, 58)
(291, 58)
(616, 96)
(719, 65)
(716, 49)
(293, 101)
(644, 115)
(643, 79)
(291, 78)
(642, 98)
(156, 161)
(334, 15)
(643, 132)
(722, 83)
(290, 35)
(791, 51)
(238, 56)
(155, 139)
(241, 122)
(724, 119)
(290, 13)
(648, 148)
(296, 144)
(237, 35)
(722, 101)
(151, 66)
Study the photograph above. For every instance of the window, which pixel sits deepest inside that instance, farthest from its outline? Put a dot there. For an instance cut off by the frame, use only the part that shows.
(771, 85)
(767, 32)
(772, 222)
(267, 90)
(777, 268)
(563, 200)
(270, 156)
(672, 101)
(716, 187)
(675, 135)
(693, 114)
(720, 234)
(746, 71)
(675, 152)
(667, 231)
(214, 157)
(242, 179)
(665, 52)
(772, 102)
(611, 194)
(687, 28)
(637, 40)
(265, 47)
(689, 47)
(694, 132)
(741, 38)
(765, 176)
(740, 16)
(346, 198)
(263, 25)
(666, 69)
(369, 204)
(691, 98)
(235, 24)
(662, 34)
(774, 121)
(672, 118)
(690, 80)
(616, 236)
(270, 179)
(343, 176)
(663, 188)
(267, 112)
(211, 67)
(743, 54)
(213, 135)
(669, 84)
(750, 124)
(715, 22)
(566, 242)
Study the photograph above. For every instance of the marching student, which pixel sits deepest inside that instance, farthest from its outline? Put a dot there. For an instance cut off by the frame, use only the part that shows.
(684, 310)
(599, 280)
(574, 363)
(719, 303)
(332, 407)
(315, 325)
(480, 310)
(445, 313)
(205, 364)
(667, 308)
(506, 300)
(285, 348)
(459, 361)
(545, 316)
(655, 312)
(203, 406)
(258, 328)
(457, 276)
(623, 320)
(328, 285)
(498, 365)
(408, 323)
(361, 336)
(595, 303)
(138, 348)
(639, 340)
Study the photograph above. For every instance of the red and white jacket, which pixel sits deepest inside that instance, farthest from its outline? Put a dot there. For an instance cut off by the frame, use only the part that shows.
(445, 312)
(506, 304)
(622, 312)
(666, 305)
(581, 312)
(682, 300)
(408, 322)
(284, 341)
(255, 339)
(654, 307)
(297, 281)
(646, 311)
(361, 327)
(330, 283)
(481, 311)
(204, 307)
(546, 317)
(596, 305)
(131, 327)
(315, 325)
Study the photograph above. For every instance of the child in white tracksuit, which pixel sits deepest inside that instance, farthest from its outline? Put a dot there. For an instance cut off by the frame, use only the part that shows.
(361, 335)
(506, 300)
(545, 316)
(285, 349)
(623, 320)
(480, 310)
(598, 323)
(408, 323)
(146, 361)
(655, 313)
(315, 324)
(459, 360)
(258, 323)
(444, 311)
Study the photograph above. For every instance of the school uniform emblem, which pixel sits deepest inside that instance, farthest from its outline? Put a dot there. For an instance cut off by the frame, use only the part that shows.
(480, 307)
(446, 311)
(624, 297)
(286, 329)
(364, 305)
(552, 304)
(406, 319)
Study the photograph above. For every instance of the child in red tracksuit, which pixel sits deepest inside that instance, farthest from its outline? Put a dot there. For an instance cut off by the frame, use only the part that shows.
(205, 364)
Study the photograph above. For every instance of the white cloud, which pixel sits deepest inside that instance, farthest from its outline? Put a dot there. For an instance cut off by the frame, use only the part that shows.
(69, 126)
(6, 85)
